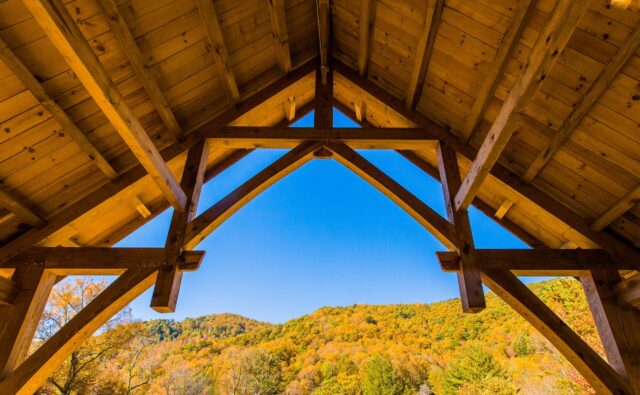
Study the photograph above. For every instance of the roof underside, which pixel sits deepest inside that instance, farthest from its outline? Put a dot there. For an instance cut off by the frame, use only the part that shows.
(41, 165)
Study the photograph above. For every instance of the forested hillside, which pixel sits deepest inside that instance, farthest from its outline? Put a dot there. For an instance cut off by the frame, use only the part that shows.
(360, 349)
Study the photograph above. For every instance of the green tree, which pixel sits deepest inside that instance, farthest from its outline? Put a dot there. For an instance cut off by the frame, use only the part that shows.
(381, 378)
(477, 371)
(522, 345)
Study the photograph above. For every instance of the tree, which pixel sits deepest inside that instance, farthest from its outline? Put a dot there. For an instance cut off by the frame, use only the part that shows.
(380, 377)
(477, 371)
(79, 372)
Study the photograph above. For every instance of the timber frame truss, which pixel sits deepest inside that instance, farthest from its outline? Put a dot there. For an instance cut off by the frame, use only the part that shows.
(33, 271)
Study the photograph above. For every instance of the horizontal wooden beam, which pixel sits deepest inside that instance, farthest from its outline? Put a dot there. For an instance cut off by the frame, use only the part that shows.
(109, 190)
(540, 262)
(34, 371)
(437, 225)
(616, 247)
(204, 224)
(545, 52)
(20, 209)
(71, 261)
(598, 373)
(357, 138)
(35, 87)
(63, 32)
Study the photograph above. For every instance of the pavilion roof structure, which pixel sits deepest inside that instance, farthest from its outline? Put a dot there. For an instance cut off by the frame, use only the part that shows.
(528, 110)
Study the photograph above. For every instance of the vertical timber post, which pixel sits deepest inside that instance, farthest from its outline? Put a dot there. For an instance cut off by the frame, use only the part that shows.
(469, 277)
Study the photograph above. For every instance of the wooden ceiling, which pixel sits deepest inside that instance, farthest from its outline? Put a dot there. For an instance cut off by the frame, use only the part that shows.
(569, 175)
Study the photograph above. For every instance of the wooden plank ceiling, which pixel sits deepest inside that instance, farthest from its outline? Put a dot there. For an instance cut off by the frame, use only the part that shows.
(183, 67)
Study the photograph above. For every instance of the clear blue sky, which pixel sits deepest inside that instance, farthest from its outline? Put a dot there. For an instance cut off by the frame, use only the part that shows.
(321, 236)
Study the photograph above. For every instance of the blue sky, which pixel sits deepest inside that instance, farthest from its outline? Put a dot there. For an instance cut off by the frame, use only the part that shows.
(321, 236)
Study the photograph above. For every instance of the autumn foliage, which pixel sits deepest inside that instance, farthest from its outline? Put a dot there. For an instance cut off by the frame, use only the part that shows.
(359, 349)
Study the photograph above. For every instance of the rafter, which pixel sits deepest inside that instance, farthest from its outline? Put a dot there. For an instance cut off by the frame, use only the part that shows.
(442, 229)
(33, 372)
(539, 262)
(20, 209)
(132, 52)
(204, 224)
(55, 20)
(23, 316)
(521, 14)
(552, 40)
(618, 326)
(469, 281)
(131, 177)
(580, 111)
(280, 34)
(165, 293)
(31, 83)
(613, 245)
(211, 23)
(365, 31)
(624, 204)
(423, 52)
(591, 366)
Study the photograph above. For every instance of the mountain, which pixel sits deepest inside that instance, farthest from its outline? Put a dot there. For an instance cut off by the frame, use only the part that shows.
(359, 349)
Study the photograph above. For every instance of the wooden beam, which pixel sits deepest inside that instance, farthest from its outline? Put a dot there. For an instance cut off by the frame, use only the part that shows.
(20, 209)
(290, 108)
(23, 316)
(618, 326)
(165, 293)
(280, 34)
(211, 23)
(208, 221)
(8, 291)
(33, 85)
(94, 261)
(323, 12)
(552, 40)
(616, 247)
(589, 364)
(521, 14)
(132, 52)
(633, 5)
(469, 278)
(55, 20)
(603, 82)
(438, 226)
(624, 204)
(323, 115)
(141, 207)
(503, 209)
(285, 137)
(109, 190)
(540, 262)
(423, 52)
(365, 33)
(32, 373)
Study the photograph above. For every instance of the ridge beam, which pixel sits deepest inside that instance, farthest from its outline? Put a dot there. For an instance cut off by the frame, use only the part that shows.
(62, 30)
(552, 40)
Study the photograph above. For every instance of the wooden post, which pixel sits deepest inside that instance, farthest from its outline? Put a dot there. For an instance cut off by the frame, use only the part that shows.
(469, 278)
(165, 293)
(618, 326)
(22, 318)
